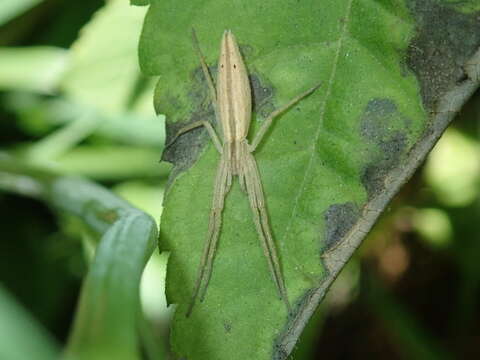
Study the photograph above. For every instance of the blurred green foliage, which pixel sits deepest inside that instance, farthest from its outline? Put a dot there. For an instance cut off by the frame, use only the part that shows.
(9, 9)
(25, 337)
(80, 108)
(74, 103)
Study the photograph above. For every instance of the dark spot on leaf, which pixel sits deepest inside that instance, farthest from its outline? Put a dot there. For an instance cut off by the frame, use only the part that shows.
(262, 96)
(184, 151)
(445, 40)
(227, 326)
(339, 219)
(372, 126)
(374, 174)
(102, 213)
(462, 79)
(247, 51)
(109, 216)
(384, 128)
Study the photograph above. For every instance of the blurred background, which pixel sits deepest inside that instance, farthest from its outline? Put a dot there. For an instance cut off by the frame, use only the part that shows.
(73, 101)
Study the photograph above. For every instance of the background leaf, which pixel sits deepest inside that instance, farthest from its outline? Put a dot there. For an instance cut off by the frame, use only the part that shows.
(329, 166)
(20, 335)
(108, 319)
(12, 8)
(36, 69)
(94, 118)
(104, 98)
(103, 75)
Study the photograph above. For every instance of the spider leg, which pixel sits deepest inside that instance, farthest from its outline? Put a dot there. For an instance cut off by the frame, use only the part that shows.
(268, 121)
(217, 208)
(208, 77)
(223, 182)
(260, 217)
(194, 125)
(206, 72)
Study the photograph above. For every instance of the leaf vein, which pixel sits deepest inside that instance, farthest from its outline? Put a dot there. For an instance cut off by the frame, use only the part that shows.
(301, 188)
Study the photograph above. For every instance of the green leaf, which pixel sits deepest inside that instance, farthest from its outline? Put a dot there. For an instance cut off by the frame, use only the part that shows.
(329, 165)
(111, 162)
(106, 323)
(36, 69)
(104, 77)
(20, 335)
(9, 9)
(40, 115)
(106, 96)
(104, 70)
(108, 319)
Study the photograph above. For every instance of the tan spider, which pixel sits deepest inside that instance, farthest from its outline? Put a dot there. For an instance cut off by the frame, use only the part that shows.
(232, 102)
